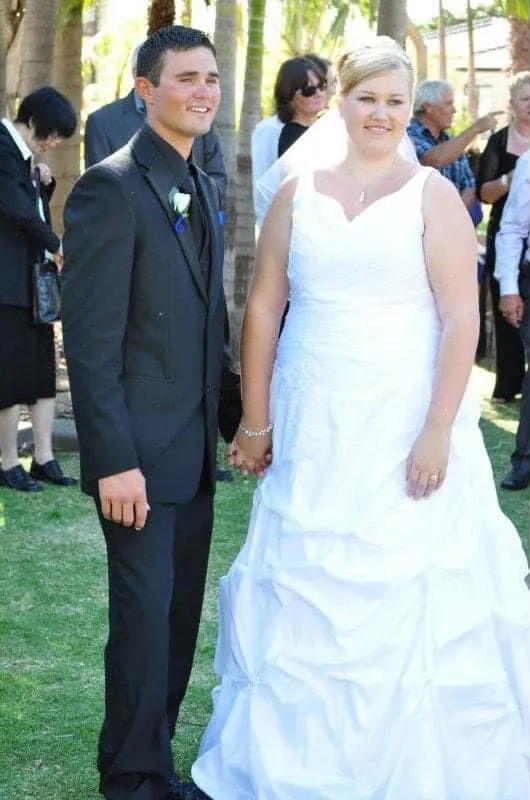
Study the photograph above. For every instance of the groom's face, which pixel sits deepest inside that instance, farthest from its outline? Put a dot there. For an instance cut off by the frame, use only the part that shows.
(185, 102)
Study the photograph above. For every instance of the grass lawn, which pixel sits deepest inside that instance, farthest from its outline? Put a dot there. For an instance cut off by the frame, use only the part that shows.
(53, 621)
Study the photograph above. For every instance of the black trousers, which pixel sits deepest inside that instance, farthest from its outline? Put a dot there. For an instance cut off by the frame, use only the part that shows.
(156, 588)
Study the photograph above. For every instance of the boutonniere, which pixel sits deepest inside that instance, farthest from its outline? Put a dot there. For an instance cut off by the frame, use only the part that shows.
(180, 203)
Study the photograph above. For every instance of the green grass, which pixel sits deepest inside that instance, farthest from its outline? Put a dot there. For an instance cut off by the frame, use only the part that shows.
(53, 621)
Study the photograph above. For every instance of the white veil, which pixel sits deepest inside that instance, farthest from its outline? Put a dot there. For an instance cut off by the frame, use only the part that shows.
(322, 146)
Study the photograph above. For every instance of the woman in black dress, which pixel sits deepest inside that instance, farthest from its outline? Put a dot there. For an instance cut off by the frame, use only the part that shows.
(300, 96)
(27, 353)
(494, 176)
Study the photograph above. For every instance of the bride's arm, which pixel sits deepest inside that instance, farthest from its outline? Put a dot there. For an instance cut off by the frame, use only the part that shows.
(261, 326)
(451, 256)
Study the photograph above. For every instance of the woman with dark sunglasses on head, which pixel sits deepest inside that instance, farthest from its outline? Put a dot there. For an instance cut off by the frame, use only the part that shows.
(300, 96)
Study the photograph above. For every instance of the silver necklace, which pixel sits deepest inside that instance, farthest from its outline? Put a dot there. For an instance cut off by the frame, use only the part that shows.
(377, 181)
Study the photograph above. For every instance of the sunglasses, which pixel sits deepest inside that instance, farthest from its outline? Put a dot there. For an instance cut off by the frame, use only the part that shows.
(309, 89)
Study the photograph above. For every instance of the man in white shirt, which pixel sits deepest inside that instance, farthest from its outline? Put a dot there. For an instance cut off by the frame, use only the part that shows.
(513, 240)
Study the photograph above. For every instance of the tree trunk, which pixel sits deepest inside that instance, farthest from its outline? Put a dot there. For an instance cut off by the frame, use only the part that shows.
(441, 42)
(240, 234)
(12, 28)
(225, 38)
(472, 94)
(67, 78)
(40, 21)
(160, 14)
(392, 20)
(4, 36)
(420, 47)
(519, 44)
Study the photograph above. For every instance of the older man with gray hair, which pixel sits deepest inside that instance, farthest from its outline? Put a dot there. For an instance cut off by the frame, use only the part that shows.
(434, 110)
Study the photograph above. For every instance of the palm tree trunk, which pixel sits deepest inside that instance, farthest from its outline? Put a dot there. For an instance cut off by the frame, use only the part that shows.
(472, 95)
(519, 39)
(67, 78)
(160, 14)
(39, 36)
(413, 33)
(392, 20)
(441, 42)
(240, 256)
(225, 38)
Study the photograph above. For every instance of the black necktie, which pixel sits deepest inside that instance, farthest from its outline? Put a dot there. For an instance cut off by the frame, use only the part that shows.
(195, 215)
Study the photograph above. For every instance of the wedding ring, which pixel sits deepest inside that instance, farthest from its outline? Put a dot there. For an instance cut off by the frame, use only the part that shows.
(433, 478)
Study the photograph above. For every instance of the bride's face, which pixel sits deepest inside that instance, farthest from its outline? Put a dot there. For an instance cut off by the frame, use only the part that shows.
(376, 112)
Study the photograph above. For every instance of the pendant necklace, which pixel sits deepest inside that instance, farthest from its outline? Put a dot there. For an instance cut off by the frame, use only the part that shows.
(362, 196)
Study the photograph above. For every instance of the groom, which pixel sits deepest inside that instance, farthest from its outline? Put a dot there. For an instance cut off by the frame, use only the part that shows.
(143, 320)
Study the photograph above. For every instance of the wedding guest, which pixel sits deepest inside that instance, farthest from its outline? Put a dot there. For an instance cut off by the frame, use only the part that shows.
(266, 134)
(496, 167)
(374, 629)
(27, 351)
(299, 97)
(513, 273)
(434, 110)
(143, 321)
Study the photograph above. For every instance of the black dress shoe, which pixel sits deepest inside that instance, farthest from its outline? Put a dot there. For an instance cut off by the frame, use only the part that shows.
(185, 790)
(222, 474)
(518, 478)
(50, 472)
(17, 478)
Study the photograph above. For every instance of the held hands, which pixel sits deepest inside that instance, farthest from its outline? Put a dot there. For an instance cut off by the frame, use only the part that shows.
(511, 307)
(123, 499)
(58, 257)
(427, 462)
(250, 454)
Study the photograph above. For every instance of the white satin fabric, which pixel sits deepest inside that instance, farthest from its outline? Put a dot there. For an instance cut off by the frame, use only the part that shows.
(371, 647)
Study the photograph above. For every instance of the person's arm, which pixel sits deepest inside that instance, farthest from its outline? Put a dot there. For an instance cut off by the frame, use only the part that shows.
(96, 287)
(443, 154)
(261, 326)
(214, 164)
(451, 267)
(513, 230)
(17, 205)
(96, 142)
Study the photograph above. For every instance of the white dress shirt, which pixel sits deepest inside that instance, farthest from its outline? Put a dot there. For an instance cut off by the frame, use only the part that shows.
(514, 229)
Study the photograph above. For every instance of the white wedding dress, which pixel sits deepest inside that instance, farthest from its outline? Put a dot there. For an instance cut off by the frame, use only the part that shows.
(371, 647)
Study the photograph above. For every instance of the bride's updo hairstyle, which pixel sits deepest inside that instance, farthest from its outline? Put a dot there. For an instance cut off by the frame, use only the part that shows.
(383, 55)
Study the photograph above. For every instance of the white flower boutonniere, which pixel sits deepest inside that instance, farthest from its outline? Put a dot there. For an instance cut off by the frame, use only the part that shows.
(180, 203)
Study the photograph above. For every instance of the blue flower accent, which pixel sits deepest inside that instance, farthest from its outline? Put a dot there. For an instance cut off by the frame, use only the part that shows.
(221, 216)
(178, 225)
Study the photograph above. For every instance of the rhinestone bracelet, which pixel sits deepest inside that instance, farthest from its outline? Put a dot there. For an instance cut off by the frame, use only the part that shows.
(255, 434)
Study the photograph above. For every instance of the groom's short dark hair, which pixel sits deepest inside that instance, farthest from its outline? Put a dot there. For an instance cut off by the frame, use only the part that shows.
(173, 37)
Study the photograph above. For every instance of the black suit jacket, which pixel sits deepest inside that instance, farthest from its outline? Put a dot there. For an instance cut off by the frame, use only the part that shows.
(23, 234)
(143, 334)
(111, 126)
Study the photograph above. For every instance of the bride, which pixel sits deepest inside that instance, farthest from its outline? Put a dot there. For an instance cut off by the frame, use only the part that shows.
(374, 629)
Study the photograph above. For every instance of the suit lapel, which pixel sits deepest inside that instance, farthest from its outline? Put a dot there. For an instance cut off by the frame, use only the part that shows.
(161, 182)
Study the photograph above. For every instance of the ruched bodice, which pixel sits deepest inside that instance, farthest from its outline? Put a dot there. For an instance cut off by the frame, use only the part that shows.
(371, 647)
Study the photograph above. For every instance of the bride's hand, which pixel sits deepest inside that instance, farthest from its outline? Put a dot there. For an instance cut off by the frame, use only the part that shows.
(250, 454)
(427, 462)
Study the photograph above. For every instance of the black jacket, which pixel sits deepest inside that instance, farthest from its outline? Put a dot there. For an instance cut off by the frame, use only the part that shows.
(23, 234)
(143, 334)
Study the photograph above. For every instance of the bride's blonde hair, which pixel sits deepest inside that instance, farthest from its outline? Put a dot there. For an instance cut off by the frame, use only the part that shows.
(383, 55)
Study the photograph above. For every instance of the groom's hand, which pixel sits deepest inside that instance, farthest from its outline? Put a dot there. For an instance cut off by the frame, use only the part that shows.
(123, 498)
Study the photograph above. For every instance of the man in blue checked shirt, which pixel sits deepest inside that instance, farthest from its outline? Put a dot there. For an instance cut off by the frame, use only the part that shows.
(434, 110)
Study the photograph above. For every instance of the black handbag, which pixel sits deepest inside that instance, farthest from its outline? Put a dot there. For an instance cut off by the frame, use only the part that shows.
(46, 292)
(45, 280)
